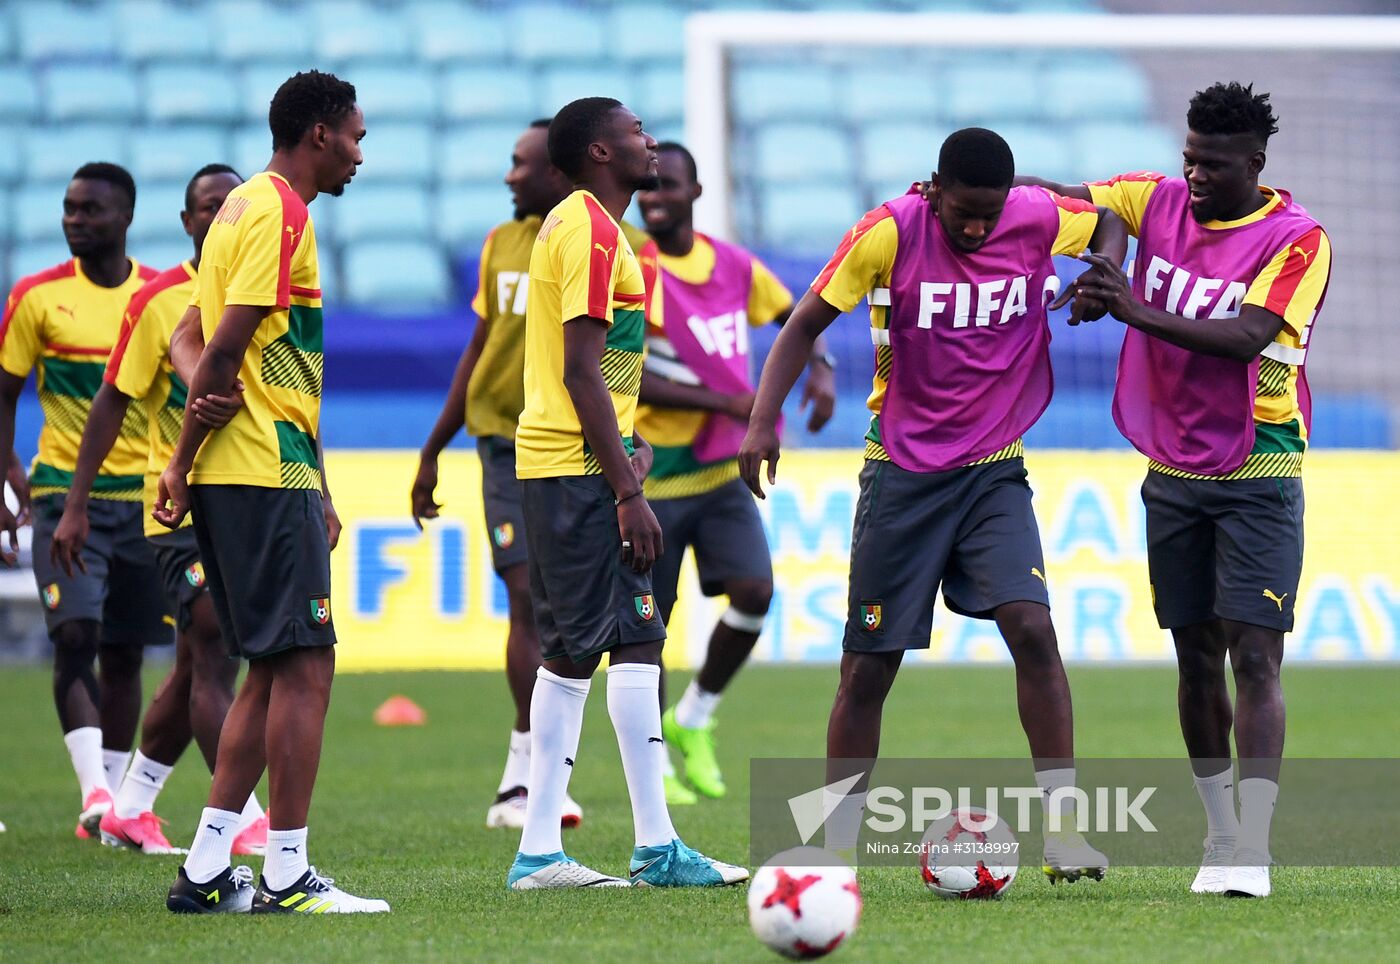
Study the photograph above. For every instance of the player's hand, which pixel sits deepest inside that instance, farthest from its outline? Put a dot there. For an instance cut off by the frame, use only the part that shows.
(640, 532)
(9, 524)
(332, 521)
(1084, 307)
(641, 459)
(820, 393)
(18, 478)
(739, 406)
(1104, 284)
(760, 445)
(420, 497)
(216, 411)
(66, 549)
(172, 496)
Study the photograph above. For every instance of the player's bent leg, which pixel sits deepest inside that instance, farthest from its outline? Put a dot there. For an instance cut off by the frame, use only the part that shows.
(689, 725)
(853, 739)
(76, 699)
(1203, 705)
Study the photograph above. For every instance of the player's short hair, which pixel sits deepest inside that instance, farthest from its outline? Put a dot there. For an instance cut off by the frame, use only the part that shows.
(306, 99)
(976, 157)
(577, 125)
(677, 148)
(113, 174)
(205, 171)
(541, 123)
(1232, 108)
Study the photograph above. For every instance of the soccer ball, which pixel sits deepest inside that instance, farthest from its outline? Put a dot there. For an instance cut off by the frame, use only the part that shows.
(962, 858)
(804, 903)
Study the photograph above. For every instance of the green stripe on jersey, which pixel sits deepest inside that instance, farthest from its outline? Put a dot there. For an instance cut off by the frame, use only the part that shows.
(48, 477)
(1277, 438)
(294, 445)
(304, 329)
(628, 330)
(75, 379)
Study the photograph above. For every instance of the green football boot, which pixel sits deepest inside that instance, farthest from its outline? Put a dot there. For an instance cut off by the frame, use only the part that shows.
(698, 747)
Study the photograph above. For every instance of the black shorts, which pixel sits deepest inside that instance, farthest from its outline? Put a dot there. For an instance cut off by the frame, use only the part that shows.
(500, 498)
(181, 572)
(1231, 549)
(267, 562)
(121, 588)
(725, 530)
(970, 530)
(586, 601)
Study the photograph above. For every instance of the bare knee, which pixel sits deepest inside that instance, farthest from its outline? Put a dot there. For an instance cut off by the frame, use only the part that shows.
(1255, 663)
(1029, 633)
(119, 662)
(866, 678)
(1200, 655)
(751, 597)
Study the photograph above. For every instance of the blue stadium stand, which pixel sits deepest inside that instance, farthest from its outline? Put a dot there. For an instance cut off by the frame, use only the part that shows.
(399, 152)
(391, 273)
(176, 152)
(501, 91)
(36, 214)
(54, 153)
(984, 91)
(782, 92)
(398, 92)
(647, 31)
(157, 216)
(563, 84)
(658, 98)
(808, 219)
(252, 31)
(464, 213)
(897, 153)
(479, 152)
(790, 153)
(99, 92)
(1105, 88)
(555, 33)
(903, 91)
(189, 92)
(1107, 149)
(371, 213)
(345, 31)
(153, 31)
(448, 33)
(53, 31)
(19, 93)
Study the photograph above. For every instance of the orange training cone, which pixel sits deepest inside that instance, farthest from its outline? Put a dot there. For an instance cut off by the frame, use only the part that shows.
(400, 711)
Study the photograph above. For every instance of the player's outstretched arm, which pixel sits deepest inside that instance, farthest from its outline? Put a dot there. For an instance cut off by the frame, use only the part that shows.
(449, 422)
(10, 387)
(216, 374)
(791, 351)
(104, 424)
(1080, 191)
(1110, 239)
(584, 341)
(659, 390)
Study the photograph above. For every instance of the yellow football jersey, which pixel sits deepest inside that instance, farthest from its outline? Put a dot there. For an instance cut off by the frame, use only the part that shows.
(65, 324)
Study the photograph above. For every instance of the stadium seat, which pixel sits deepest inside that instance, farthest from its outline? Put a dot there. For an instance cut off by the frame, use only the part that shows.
(659, 97)
(358, 31)
(250, 30)
(163, 254)
(480, 152)
(7, 37)
(899, 91)
(54, 153)
(651, 31)
(19, 95)
(1103, 150)
(465, 213)
(565, 84)
(153, 30)
(175, 153)
(48, 31)
(1105, 89)
(1043, 150)
(899, 153)
(7, 219)
(26, 259)
(373, 213)
(250, 148)
(477, 93)
(158, 207)
(37, 213)
(83, 92)
(763, 92)
(12, 160)
(196, 92)
(396, 275)
(797, 152)
(810, 218)
(544, 32)
(402, 92)
(397, 152)
(983, 93)
(445, 33)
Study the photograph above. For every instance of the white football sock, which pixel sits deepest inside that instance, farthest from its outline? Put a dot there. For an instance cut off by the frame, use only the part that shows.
(1049, 781)
(696, 707)
(114, 764)
(85, 749)
(286, 858)
(517, 771)
(556, 720)
(140, 787)
(1257, 798)
(252, 812)
(213, 843)
(1218, 797)
(842, 827)
(636, 719)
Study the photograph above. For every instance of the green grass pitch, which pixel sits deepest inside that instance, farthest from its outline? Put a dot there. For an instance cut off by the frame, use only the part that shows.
(399, 814)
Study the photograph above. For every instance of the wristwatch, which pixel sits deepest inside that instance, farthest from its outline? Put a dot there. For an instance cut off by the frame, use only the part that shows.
(827, 359)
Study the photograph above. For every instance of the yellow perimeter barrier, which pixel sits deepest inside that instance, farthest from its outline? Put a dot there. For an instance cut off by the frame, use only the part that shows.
(405, 599)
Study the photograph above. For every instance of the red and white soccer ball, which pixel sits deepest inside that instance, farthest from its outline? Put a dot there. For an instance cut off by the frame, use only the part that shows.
(804, 903)
(966, 857)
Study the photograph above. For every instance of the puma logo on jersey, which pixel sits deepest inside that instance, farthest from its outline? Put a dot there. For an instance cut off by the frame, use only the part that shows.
(1038, 574)
(607, 252)
(1298, 249)
(1277, 600)
(68, 311)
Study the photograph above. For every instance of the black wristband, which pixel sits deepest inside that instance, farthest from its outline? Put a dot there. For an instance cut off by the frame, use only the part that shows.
(630, 495)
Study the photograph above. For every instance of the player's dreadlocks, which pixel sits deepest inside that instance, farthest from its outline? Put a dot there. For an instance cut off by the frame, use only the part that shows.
(304, 100)
(1232, 108)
